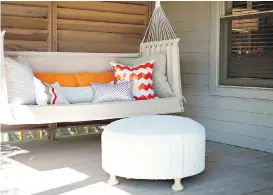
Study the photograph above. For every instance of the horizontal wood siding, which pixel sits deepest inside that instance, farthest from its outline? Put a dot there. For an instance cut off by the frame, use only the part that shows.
(100, 26)
(26, 24)
(74, 26)
(238, 121)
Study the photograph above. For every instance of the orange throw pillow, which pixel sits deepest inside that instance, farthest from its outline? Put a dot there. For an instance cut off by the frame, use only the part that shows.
(86, 78)
(64, 79)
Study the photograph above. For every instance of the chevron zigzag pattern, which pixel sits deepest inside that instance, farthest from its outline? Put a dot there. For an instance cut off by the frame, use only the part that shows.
(141, 75)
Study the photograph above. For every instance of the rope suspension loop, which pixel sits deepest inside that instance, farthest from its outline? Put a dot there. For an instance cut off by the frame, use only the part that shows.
(159, 27)
(2, 34)
(160, 39)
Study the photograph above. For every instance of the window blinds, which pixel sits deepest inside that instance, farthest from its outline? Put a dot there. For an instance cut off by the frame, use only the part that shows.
(247, 34)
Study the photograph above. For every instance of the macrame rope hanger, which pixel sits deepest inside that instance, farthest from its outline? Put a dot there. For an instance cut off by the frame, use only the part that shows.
(159, 27)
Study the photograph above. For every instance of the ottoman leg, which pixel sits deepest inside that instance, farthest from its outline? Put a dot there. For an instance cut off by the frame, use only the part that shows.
(177, 185)
(113, 180)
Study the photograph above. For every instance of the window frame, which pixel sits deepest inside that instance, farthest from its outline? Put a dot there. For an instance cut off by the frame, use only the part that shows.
(217, 10)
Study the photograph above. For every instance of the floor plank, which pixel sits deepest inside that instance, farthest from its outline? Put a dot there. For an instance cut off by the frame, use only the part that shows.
(73, 166)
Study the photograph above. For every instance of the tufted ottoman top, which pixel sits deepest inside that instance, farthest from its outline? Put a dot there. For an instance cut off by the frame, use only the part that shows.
(155, 125)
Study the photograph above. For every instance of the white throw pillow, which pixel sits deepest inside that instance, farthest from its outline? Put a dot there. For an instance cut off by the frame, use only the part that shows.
(48, 94)
(161, 85)
(75, 95)
(19, 81)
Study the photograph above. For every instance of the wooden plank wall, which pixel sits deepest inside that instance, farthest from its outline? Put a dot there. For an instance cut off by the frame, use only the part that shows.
(26, 24)
(65, 26)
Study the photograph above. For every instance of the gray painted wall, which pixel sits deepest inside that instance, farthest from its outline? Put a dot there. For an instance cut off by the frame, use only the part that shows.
(237, 121)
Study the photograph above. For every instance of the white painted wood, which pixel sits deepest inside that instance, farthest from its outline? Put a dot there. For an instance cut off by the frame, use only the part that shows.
(177, 185)
(64, 62)
(35, 114)
(113, 180)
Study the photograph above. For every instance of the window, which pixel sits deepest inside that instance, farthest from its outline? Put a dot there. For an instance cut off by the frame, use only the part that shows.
(246, 44)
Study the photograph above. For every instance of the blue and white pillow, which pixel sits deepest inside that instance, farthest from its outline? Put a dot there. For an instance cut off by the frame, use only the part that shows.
(108, 92)
(76, 95)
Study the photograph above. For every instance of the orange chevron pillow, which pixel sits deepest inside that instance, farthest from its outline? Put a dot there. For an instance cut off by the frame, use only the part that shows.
(140, 74)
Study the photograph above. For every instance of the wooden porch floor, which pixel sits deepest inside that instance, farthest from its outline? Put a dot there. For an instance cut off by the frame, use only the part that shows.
(72, 166)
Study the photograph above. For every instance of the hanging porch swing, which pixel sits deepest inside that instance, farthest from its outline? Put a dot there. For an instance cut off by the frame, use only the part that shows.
(159, 39)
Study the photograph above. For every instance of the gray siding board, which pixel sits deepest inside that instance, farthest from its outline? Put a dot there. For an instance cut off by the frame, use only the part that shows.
(179, 11)
(195, 36)
(237, 128)
(195, 79)
(228, 103)
(194, 68)
(238, 140)
(196, 47)
(194, 63)
(230, 115)
(196, 90)
(244, 122)
(200, 24)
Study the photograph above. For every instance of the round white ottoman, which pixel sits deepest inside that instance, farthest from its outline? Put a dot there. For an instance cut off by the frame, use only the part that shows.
(153, 147)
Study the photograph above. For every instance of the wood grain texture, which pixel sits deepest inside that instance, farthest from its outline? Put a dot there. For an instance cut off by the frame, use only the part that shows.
(96, 16)
(19, 45)
(25, 34)
(49, 28)
(113, 7)
(24, 11)
(133, 2)
(65, 35)
(24, 23)
(66, 22)
(27, 3)
(99, 26)
(54, 30)
(14, 37)
(31, 32)
(76, 46)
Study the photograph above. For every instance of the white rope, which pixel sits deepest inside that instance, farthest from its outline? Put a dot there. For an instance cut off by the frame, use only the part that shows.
(159, 27)
(2, 34)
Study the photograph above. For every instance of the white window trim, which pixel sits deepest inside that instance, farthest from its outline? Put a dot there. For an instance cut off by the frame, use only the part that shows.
(217, 8)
